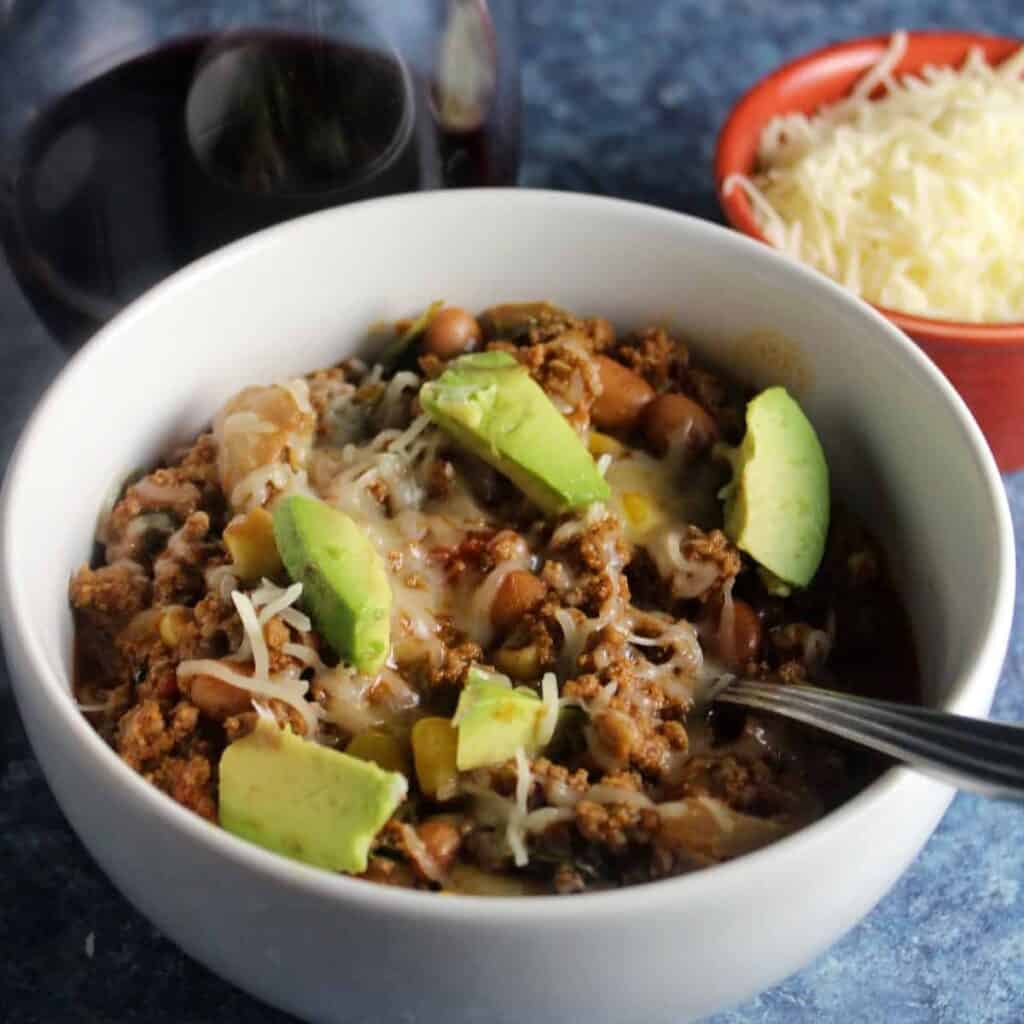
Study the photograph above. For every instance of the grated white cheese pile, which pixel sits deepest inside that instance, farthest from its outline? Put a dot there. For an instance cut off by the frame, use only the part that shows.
(915, 199)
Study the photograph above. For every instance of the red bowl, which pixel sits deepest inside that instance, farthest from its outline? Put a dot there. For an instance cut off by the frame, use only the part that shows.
(985, 362)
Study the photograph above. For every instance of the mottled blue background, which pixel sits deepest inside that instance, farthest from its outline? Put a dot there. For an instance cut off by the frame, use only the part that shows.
(623, 97)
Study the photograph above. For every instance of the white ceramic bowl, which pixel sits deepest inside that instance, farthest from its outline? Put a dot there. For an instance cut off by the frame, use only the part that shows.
(902, 448)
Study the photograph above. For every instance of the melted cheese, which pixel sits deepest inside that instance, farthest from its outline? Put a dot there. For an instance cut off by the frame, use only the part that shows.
(358, 702)
(651, 494)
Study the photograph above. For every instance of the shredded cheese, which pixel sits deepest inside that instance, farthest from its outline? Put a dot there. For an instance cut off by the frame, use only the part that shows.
(549, 716)
(305, 654)
(286, 686)
(515, 831)
(221, 580)
(419, 853)
(251, 490)
(913, 199)
(280, 604)
(253, 633)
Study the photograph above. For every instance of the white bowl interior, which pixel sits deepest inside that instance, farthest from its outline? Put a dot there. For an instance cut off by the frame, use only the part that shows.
(899, 449)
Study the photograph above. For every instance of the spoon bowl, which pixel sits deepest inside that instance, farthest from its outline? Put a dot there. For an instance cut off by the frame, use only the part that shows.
(971, 753)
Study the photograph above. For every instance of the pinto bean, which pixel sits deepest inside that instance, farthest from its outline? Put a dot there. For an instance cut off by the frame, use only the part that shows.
(673, 415)
(451, 332)
(520, 592)
(442, 840)
(623, 397)
(745, 642)
(217, 699)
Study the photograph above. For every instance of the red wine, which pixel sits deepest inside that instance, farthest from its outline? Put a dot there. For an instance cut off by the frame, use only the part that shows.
(190, 146)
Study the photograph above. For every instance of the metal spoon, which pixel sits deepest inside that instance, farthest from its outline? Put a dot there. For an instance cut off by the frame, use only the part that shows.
(971, 753)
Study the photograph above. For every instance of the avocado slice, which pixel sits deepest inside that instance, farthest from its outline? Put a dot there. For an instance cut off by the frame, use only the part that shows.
(494, 720)
(489, 404)
(777, 504)
(345, 586)
(309, 802)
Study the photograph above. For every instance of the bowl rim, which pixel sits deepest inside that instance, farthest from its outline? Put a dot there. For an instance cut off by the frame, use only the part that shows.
(983, 661)
(738, 210)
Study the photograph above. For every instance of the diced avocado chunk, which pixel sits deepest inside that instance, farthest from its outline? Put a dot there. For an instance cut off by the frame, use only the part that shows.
(345, 586)
(308, 802)
(777, 504)
(489, 404)
(494, 720)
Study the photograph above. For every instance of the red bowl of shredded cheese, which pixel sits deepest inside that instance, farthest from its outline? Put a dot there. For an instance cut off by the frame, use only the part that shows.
(896, 166)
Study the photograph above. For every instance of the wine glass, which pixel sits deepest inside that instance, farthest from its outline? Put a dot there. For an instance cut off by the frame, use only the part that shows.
(167, 128)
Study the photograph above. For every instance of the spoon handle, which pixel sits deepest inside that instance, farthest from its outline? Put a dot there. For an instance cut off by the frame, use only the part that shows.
(970, 753)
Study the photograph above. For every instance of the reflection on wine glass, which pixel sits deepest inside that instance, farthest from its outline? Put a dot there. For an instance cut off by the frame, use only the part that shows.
(290, 115)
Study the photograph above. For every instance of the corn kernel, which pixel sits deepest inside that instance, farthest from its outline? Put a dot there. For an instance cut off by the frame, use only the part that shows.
(171, 623)
(641, 512)
(521, 663)
(604, 444)
(383, 749)
(434, 744)
(250, 541)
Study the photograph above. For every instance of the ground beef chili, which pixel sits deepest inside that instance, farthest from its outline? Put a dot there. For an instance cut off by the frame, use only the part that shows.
(637, 606)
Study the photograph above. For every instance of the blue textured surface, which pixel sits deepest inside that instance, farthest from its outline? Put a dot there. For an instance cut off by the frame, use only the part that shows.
(622, 97)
